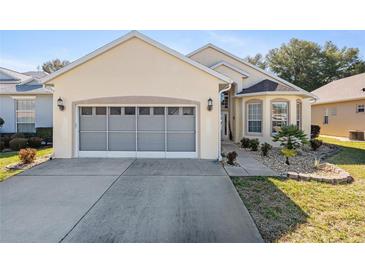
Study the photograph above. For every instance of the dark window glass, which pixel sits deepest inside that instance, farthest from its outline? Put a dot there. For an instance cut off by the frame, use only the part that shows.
(325, 120)
(158, 111)
(100, 110)
(173, 111)
(115, 111)
(188, 111)
(144, 111)
(130, 111)
(86, 111)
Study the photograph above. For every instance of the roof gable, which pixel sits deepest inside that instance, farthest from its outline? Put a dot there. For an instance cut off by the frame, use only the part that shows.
(228, 65)
(242, 61)
(130, 35)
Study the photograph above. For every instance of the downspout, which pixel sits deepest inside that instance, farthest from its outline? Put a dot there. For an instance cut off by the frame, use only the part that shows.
(220, 122)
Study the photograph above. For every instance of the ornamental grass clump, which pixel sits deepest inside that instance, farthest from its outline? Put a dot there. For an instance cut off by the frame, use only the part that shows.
(27, 155)
(291, 138)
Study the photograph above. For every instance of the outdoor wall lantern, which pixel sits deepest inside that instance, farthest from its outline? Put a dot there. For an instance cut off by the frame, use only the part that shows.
(60, 104)
(210, 104)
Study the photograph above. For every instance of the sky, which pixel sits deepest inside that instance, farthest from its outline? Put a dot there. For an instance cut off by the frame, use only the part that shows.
(26, 50)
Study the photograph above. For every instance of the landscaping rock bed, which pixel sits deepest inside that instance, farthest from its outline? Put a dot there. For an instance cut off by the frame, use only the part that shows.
(22, 166)
(306, 165)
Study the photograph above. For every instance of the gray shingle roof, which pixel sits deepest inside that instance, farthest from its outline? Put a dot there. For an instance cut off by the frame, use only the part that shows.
(266, 86)
(36, 74)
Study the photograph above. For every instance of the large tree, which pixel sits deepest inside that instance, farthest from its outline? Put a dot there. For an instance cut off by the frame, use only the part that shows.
(309, 66)
(257, 60)
(53, 65)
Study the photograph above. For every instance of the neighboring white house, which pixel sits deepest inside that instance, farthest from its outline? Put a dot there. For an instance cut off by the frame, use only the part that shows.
(24, 103)
(135, 97)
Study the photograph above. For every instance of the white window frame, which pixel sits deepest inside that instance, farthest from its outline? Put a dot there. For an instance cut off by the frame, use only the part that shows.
(24, 98)
(248, 118)
(136, 154)
(299, 114)
(362, 106)
(271, 114)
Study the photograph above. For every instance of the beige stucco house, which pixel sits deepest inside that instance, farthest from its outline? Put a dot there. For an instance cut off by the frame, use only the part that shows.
(135, 97)
(340, 108)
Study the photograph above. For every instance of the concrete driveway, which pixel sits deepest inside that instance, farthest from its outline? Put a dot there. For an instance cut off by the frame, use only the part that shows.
(124, 200)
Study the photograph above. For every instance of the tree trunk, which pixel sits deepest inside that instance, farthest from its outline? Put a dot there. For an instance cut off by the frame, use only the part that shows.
(287, 161)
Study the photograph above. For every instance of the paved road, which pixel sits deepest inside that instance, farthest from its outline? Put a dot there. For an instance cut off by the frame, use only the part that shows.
(124, 200)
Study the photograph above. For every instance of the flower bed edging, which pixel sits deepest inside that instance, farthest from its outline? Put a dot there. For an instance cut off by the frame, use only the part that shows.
(343, 176)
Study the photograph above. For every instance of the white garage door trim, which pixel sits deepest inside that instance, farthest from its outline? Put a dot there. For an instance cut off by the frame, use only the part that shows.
(133, 154)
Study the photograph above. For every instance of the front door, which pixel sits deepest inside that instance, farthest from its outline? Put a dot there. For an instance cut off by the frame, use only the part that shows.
(225, 125)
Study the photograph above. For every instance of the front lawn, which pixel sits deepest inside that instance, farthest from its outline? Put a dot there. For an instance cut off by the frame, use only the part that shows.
(7, 158)
(291, 211)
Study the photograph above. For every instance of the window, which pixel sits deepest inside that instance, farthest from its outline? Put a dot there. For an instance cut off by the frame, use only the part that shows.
(279, 116)
(360, 108)
(100, 110)
(86, 111)
(159, 111)
(144, 111)
(325, 120)
(254, 118)
(299, 115)
(188, 111)
(115, 111)
(130, 111)
(173, 111)
(25, 115)
(224, 100)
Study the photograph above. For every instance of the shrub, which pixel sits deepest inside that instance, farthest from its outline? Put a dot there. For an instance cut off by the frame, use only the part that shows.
(315, 130)
(265, 148)
(35, 142)
(2, 145)
(5, 139)
(2, 122)
(254, 144)
(17, 135)
(231, 157)
(45, 133)
(27, 155)
(290, 138)
(18, 143)
(315, 144)
(245, 142)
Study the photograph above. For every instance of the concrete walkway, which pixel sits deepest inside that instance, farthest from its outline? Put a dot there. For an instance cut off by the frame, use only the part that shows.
(124, 200)
(248, 165)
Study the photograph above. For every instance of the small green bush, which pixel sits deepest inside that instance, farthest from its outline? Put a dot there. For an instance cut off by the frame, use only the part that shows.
(18, 143)
(2, 122)
(2, 145)
(17, 135)
(5, 139)
(231, 157)
(254, 144)
(46, 133)
(315, 144)
(245, 142)
(265, 148)
(35, 142)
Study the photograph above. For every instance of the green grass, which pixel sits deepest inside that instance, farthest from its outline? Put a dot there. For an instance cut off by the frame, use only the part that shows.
(7, 158)
(291, 211)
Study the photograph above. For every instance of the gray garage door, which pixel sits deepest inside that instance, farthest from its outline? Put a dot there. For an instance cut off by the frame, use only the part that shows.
(137, 129)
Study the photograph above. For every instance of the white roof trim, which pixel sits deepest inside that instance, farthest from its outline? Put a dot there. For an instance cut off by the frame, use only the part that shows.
(303, 93)
(228, 65)
(339, 100)
(246, 63)
(124, 38)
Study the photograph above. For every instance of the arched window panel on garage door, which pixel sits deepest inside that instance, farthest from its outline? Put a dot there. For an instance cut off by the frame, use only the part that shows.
(122, 129)
(93, 129)
(181, 129)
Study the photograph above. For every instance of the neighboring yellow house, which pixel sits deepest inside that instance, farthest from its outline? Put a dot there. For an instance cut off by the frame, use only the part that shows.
(340, 109)
(135, 97)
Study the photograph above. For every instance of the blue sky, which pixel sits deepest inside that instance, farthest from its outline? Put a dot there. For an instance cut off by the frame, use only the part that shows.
(25, 50)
